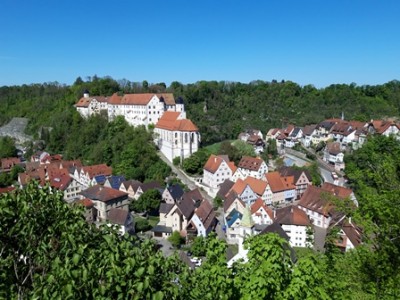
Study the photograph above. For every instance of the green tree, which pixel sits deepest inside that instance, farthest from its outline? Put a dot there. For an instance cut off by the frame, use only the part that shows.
(149, 201)
(7, 147)
(176, 239)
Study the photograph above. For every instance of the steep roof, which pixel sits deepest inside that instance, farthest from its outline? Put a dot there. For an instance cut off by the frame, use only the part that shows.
(85, 101)
(101, 169)
(165, 207)
(118, 216)
(131, 183)
(206, 214)
(213, 163)
(296, 173)
(115, 181)
(224, 188)
(333, 148)
(104, 194)
(279, 183)
(338, 191)
(309, 129)
(250, 163)
(239, 186)
(59, 179)
(85, 202)
(292, 215)
(9, 162)
(260, 203)
(152, 185)
(258, 186)
(170, 121)
(140, 99)
(175, 191)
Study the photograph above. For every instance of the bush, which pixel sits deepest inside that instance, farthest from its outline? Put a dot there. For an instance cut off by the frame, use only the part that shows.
(142, 225)
(176, 239)
(176, 161)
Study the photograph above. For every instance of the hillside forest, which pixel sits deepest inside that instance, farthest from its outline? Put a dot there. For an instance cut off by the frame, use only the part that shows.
(48, 251)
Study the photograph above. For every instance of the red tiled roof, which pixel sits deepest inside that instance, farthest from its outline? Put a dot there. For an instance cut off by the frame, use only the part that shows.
(239, 186)
(292, 215)
(338, 191)
(206, 213)
(170, 121)
(94, 170)
(250, 163)
(86, 202)
(257, 185)
(312, 199)
(6, 189)
(140, 99)
(85, 101)
(279, 183)
(102, 193)
(213, 163)
(333, 148)
(260, 203)
(8, 162)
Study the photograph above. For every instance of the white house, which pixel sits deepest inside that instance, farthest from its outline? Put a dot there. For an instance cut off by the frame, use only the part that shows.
(122, 219)
(261, 188)
(243, 191)
(308, 132)
(250, 166)
(203, 220)
(261, 214)
(216, 170)
(296, 224)
(282, 187)
(302, 179)
(334, 155)
(176, 136)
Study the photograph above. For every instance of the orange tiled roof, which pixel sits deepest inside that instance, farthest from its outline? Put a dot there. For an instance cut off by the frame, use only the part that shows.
(101, 169)
(239, 186)
(257, 185)
(250, 163)
(338, 191)
(213, 163)
(279, 183)
(258, 204)
(170, 121)
(292, 215)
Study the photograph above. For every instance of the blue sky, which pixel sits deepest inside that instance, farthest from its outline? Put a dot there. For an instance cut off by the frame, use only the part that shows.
(317, 42)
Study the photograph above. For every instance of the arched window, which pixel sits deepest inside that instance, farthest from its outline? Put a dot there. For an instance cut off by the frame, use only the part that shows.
(186, 137)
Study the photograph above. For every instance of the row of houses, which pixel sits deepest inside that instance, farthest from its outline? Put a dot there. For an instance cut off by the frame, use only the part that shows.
(316, 208)
(346, 133)
(174, 135)
(251, 179)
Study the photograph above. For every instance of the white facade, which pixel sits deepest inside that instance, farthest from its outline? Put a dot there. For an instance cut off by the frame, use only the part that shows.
(297, 235)
(214, 180)
(316, 218)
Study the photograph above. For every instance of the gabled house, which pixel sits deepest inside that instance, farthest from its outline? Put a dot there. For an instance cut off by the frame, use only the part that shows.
(340, 192)
(90, 213)
(243, 191)
(261, 188)
(86, 175)
(60, 180)
(308, 132)
(216, 170)
(383, 127)
(203, 220)
(334, 155)
(176, 136)
(250, 166)
(349, 235)
(8, 163)
(172, 193)
(302, 179)
(130, 187)
(233, 212)
(114, 181)
(317, 204)
(224, 188)
(152, 185)
(282, 187)
(273, 133)
(296, 224)
(261, 214)
(104, 199)
(123, 219)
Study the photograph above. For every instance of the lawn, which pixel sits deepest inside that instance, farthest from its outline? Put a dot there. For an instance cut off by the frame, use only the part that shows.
(214, 148)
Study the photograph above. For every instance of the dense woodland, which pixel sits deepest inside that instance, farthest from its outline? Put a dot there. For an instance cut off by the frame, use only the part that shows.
(47, 250)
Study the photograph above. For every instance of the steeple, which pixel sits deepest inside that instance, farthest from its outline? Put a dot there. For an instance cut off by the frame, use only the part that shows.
(247, 220)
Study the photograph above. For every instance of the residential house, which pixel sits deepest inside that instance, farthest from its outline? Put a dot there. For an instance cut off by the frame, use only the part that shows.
(302, 179)
(273, 133)
(176, 217)
(349, 234)
(123, 219)
(323, 131)
(318, 205)
(296, 224)
(203, 220)
(90, 213)
(244, 136)
(114, 181)
(243, 191)
(282, 187)
(216, 170)
(261, 188)
(224, 188)
(334, 155)
(104, 199)
(131, 187)
(8, 163)
(176, 136)
(172, 193)
(90, 105)
(152, 185)
(233, 213)
(250, 166)
(261, 214)
(86, 175)
(340, 192)
(383, 127)
(308, 132)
